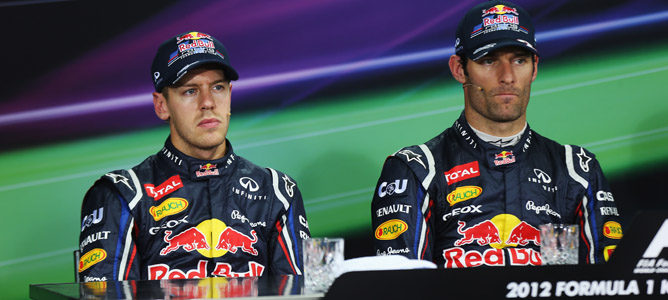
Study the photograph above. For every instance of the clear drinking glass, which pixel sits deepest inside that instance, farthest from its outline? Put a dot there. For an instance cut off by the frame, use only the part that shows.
(559, 244)
(322, 258)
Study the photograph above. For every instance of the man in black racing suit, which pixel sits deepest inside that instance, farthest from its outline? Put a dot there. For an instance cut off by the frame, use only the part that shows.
(476, 194)
(195, 209)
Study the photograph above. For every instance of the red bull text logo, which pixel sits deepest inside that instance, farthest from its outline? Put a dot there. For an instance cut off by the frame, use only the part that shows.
(613, 230)
(207, 170)
(462, 172)
(170, 207)
(503, 233)
(391, 229)
(163, 271)
(91, 258)
(504, 158)
(170, 185)
(463, 193)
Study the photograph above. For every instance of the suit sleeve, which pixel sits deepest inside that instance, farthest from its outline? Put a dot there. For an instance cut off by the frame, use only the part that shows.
(400, 213)
(597, 214)
(290, 228)
(107, 248)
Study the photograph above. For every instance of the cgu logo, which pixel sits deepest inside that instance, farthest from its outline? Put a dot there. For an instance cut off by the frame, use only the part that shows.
(91, 258)
(93, 218)
(169, 207)
(392, 188)
(391, 229)
(612, 229)
(463, 193)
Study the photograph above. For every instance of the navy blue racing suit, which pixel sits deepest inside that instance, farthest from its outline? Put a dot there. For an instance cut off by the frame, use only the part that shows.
(174, 216)
(461, 202)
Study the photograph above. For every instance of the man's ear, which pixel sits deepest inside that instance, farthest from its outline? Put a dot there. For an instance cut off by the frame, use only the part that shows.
(535, 68)
(457, 69)
(160, 106)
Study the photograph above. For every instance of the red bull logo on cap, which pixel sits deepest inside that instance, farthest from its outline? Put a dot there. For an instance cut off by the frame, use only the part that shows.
(192, 36)
(499, 10)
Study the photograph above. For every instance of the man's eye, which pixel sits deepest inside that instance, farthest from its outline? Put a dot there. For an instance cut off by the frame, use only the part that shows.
(487, 61)
(219, 87)
(521, 61)
(189, 92)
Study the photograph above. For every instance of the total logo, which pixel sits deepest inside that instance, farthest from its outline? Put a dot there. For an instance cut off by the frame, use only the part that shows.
(210, 232)
(170, 185)
(396, 187)
(163, 271)
(462, 172)
(503, 233)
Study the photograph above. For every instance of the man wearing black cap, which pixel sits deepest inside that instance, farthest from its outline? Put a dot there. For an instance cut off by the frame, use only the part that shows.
(477, 193)
(195, 209)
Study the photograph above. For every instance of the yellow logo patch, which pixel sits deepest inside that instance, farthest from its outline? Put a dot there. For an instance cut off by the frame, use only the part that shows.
(612, 229)
(391, 229)
(90, 258)
(168, 207)
(463, 193)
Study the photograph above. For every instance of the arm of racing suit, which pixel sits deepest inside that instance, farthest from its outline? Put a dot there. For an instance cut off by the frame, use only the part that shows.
(597, 214)
(108, 250)
(290, 228)
(401, 212)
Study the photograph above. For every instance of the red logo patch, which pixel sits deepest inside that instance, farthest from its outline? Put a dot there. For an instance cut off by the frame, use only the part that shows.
(462, 172)
(172, 184)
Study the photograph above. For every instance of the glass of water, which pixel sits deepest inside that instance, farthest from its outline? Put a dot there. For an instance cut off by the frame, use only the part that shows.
(559, 244)
(322, 258)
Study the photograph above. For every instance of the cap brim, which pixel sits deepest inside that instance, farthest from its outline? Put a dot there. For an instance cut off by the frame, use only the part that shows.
(230, 73)
(495, 45)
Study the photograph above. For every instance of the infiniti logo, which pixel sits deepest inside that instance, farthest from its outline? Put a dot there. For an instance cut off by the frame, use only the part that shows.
(249, 184)
(542, 176)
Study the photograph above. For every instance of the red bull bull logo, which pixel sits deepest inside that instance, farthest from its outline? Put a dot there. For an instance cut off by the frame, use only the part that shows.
(499, 10)
(191, 239)
(232, 240)
(504, 158)
(192, 36)
(483, 233)
(523, 234)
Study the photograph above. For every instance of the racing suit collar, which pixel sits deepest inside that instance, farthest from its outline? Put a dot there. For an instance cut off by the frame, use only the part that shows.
(496, 157)
(197, 169)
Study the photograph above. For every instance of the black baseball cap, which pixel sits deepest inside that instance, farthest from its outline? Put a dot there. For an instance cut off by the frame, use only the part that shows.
(493, 25)
(187, 51)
